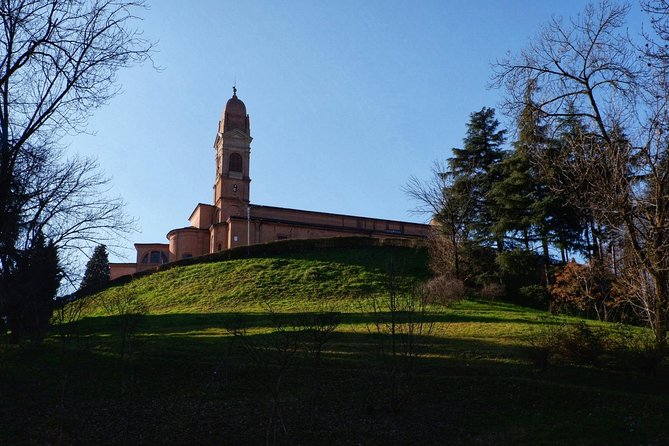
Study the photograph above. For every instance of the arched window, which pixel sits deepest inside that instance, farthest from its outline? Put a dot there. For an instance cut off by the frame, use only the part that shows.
(235, 162)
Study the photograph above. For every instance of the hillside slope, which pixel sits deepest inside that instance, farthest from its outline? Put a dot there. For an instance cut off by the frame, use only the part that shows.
(285, 348)
(285, 280)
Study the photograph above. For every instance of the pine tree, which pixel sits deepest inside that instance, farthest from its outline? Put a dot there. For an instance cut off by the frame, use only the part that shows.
(567, 224)
(96, 275)
(522, 198)
(475, 169)
(515, 194)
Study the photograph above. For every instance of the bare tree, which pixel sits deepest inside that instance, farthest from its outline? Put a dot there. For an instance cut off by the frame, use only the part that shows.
(58, 62)
(403, 320)
(69, 204)
(591, 69)
(451, 212)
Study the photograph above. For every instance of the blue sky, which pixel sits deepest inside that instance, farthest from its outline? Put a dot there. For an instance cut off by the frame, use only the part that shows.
(347, 99)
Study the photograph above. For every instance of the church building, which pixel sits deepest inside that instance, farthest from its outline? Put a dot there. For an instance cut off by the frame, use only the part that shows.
(233, 221)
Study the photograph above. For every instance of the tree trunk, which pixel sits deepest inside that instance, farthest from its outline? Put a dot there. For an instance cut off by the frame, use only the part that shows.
(588, 244)
(456, 255)
(659, 316)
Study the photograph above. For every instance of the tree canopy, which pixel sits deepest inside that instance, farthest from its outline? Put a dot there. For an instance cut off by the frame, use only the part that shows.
(96, 274)
(58, 63)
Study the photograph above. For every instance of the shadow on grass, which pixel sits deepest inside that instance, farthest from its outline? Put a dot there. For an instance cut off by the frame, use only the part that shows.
(206, 338)
(189, 322)
(189, 386)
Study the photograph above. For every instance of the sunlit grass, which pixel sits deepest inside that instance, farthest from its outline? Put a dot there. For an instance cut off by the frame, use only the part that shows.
(187, 379)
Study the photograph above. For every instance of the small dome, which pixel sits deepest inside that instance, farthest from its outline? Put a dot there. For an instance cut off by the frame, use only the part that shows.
(234, 115)
(234, 105)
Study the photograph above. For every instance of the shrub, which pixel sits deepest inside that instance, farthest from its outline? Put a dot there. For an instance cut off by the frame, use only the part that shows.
(579, 344)
(633, 349)
(492, 291)
(576, 344)
(623, 347)
(583, 289)
(519, 268)
(534, 295)
(539, 351)
(444, 289)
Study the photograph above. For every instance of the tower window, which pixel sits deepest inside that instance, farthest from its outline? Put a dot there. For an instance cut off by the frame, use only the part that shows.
(235, 162)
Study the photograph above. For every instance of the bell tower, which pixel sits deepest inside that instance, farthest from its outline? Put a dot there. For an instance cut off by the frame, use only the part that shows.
(233, 150)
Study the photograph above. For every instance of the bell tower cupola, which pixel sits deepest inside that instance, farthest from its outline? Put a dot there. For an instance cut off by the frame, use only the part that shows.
(233, 151)
(234, 115)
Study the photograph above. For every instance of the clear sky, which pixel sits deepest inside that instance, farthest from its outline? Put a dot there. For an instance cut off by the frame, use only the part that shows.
(346, 99)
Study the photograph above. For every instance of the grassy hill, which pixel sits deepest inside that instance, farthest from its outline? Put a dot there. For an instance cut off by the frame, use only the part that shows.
(297, 349)
(284, 280)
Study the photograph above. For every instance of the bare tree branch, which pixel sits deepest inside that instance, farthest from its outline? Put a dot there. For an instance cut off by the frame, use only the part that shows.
(617, 167)
(58, 62)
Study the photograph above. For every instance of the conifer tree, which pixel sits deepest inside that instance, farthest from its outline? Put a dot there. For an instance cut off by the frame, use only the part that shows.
(475, 169)
(527, 210)
(516, 194)
(34, 284)
(569, 223)
(96, 275)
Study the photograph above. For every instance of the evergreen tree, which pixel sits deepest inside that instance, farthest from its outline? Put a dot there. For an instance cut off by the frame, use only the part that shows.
(527, 210)
(34, 284)
(96, 275)
(516, 194)
(568, 224)
(475, 169)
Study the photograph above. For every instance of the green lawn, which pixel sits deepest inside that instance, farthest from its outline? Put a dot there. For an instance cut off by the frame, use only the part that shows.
(222, 356)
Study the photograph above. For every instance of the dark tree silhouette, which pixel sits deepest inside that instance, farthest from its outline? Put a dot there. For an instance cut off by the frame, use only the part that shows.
(33, 286)
(96, 275)
(58, 62)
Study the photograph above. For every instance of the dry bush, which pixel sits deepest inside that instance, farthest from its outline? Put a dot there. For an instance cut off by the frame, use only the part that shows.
(492, 291)
(443, 290)
(584, 288)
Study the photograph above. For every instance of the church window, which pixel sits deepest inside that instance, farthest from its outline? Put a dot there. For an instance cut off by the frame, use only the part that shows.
(154, 257)
(235, 162)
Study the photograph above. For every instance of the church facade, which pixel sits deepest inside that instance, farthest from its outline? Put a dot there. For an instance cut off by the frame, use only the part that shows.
(232, 220)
